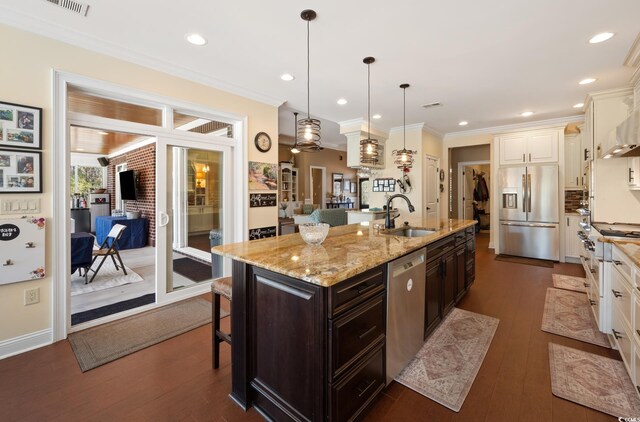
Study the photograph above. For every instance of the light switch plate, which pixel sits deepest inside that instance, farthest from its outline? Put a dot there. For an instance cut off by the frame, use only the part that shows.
(20, 206)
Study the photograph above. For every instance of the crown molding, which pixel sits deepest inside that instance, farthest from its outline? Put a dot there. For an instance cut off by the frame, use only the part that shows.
(417, 126)
(70, 36)
(633, 56)
(515, 127)
(635, 79)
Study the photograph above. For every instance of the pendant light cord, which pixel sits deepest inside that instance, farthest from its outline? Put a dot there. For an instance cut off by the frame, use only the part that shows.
(308, 75)
(369, 101)
(404, 118)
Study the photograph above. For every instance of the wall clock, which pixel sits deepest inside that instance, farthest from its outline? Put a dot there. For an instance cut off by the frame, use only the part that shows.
(263, 142)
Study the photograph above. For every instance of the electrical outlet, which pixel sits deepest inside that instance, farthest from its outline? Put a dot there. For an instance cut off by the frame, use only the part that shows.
(31, 296)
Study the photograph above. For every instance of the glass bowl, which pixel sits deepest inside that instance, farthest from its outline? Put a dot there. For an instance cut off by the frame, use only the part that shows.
(313, 233)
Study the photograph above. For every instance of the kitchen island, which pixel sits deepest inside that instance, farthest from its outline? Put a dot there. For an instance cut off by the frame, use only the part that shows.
(309, 322)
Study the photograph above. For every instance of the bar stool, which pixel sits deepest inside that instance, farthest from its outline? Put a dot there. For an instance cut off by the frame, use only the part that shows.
(219, 287)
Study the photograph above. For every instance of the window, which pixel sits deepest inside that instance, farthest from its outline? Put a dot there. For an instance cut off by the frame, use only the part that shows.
(84, 179)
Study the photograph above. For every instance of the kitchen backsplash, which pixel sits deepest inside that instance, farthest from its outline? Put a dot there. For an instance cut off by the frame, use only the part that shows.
(572, 200)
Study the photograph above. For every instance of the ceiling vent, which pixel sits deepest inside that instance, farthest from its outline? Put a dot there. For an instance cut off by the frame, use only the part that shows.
(431, 105)
(71, 5)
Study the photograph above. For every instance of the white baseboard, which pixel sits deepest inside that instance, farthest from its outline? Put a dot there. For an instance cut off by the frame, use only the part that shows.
(17, 345)
(491, 245)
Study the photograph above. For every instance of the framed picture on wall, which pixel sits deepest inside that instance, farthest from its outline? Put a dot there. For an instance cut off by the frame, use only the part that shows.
(20, 126)
(20, 171)
(347, 186)
(353, 187)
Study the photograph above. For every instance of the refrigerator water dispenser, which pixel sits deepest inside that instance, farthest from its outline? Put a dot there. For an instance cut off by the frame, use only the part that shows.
(510, 200)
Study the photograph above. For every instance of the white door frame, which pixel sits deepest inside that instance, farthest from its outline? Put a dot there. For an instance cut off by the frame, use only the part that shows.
(324, 184)
(461, 166)
(424, 190)
(62, 120)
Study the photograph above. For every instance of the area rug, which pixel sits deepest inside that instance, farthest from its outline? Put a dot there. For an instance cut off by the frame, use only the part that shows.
(114, 308)
(594, 381)
(526, 261)
(107, 278)
(192, 269)
(568, 314)
(99, 345)
(446, 366)
(568, 282)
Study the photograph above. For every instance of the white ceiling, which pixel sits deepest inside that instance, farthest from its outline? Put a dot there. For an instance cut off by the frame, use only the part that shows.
(486, 61)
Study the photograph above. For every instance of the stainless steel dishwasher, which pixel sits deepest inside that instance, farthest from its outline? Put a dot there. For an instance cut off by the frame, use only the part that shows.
(405, 310)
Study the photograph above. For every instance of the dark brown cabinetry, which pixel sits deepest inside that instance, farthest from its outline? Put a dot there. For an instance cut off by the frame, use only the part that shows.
(450, 271)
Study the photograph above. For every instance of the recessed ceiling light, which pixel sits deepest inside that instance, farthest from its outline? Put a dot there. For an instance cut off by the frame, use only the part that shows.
(579, 105)
(463, 123)
(196, 39)
(587, 81)
(103, 133)
(342, 101)
(526, 113)
(287, 77)
(377, 116)
(603, 36)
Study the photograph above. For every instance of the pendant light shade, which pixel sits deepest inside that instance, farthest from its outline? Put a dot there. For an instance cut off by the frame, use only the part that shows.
(294, 149)
(403, 158)
(369, 147)
(308, 130)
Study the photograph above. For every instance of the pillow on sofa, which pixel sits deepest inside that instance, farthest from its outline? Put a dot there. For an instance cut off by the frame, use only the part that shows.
(307, 208)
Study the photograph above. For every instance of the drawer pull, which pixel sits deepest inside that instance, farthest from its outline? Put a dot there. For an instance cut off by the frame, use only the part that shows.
(586, 284)
(617, 262)
(369, 331)
(616, 293)
(362, 390)
(616, 334)
(365, 287)
(592, 302)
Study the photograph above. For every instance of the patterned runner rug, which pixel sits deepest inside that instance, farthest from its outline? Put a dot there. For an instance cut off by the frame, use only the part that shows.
(569, 282)
(446, 366)
(568, 314)
(594, 381)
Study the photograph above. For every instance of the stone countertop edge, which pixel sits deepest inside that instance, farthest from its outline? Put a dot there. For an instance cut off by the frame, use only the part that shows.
(347, 251)
(630, 248)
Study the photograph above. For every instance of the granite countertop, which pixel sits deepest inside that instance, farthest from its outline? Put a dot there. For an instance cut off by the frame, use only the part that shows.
(347, 251)
(630, 248)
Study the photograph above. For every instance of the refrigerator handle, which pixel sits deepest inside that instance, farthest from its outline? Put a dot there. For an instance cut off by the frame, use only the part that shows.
(529, 192)
(524, 193)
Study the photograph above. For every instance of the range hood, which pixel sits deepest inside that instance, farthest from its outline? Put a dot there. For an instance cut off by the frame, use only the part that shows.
(627, 138)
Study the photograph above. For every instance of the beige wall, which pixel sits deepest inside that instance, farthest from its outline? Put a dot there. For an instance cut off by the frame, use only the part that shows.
(461, 155)
(28, 80)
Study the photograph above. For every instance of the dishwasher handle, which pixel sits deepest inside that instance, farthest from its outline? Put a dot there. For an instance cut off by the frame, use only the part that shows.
(398, 268)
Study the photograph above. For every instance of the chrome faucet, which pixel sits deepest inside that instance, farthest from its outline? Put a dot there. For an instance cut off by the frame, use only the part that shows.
(389, 223)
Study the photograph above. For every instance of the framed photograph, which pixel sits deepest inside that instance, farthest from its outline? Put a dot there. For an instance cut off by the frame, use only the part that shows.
(20, 126)
(347, 186)
(263, 176)
(353, 187)
(20, 171)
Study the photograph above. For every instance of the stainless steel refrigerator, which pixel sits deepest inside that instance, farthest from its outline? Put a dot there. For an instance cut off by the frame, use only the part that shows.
(529, 214)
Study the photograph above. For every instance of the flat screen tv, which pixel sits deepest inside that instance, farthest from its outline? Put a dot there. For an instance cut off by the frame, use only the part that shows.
(128, 185)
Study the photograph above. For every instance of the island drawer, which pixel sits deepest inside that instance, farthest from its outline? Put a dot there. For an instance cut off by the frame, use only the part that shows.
(353, 334)
(350, 396)
(436, 249)
(355, 290)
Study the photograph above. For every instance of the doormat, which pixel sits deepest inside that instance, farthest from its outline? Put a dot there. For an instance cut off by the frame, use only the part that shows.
(569, 282)
(568, 314)
(99, 345)
(192, 269)
(594, 381)
(527, 261)
(446, 366)
(114, 308)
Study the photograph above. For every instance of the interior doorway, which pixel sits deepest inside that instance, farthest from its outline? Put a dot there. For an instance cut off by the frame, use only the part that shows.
(432, 191)
(318, 185)
(474, 196)
(363, 193)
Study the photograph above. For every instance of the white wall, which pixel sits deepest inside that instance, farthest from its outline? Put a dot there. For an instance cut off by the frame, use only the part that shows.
(30, 83)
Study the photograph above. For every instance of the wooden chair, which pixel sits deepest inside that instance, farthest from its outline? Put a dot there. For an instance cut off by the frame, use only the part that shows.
(108, 248)
(219, 287)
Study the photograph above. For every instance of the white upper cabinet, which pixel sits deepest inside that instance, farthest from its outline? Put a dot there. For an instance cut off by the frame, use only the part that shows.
(529, 147)
(605, 111)
(573, 178)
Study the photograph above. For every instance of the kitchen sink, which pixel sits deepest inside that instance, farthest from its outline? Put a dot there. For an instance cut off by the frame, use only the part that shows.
(408, 232)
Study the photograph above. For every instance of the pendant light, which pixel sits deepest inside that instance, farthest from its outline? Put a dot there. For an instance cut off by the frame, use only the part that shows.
(369, 147)
(294, 149)
(403, 158)
(308, 131)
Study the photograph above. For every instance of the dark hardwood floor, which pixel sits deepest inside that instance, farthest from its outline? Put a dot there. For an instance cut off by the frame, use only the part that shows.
(173, 381)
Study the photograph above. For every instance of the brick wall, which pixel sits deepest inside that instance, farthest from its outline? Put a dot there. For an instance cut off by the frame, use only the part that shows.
(142, 160)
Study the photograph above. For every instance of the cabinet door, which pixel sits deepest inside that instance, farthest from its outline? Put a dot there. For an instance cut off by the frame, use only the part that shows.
(449, 282)
(513, 149)
(607, 114)
(543, 147)
(572, 162)
(633, 173)
(461, 262)
(573, 246)
(432, 312)
(587, 136)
